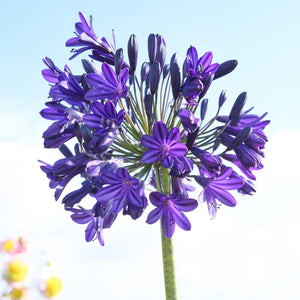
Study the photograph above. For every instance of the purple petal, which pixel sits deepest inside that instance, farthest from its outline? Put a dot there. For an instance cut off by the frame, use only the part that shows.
(186, 204)
(178, 149)
(154, 215)
(150, 156)
(206, 60)
(157, 199)
(160, 132)
(150, 142)
(173, 135)
(181, 220)
(90, 231)
(108, 193)
(224, 197)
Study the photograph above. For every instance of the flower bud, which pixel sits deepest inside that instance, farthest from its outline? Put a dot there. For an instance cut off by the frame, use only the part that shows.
(222, 98)
(152, 47)
(88, 66)
(148, 100)
(225, 68)
(154, 77)
(174, 59)
(118, 60)
(144, 71)
(203, 109)
(166, 70)
(161, 50)
(240, 138)
(65, 151)
(175, 79)
(132, 49)
(237, 108)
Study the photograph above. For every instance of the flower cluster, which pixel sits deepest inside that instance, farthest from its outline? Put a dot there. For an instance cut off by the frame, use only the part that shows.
(135, 129)
(15, 273)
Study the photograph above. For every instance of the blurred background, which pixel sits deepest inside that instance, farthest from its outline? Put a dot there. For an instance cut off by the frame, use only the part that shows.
(248, 252)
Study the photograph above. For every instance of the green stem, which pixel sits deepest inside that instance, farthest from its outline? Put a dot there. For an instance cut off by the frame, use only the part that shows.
(169, 269)
(167, 248)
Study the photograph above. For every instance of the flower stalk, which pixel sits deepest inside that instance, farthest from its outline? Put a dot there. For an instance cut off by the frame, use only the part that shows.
(168, 265)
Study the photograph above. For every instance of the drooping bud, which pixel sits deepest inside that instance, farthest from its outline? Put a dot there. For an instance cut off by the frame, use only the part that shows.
(240, 138)
(154, 77)
(119, 59)
(161, 50)
(132, 49)
(203, 109)
(222, 98)
(237, 107)
(225, 68)
(144, 71)
(175, 79)
(152, 47)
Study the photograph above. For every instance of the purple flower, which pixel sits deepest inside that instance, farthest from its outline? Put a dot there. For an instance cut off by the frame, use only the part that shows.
(215, 188)
(61, 130)
(105, 116)
(87, 39)
(121, 190)
(107, 84)
(63, 171)
(163, 145)
(201, 67)
(53, 74)
(212, 163)
(98, 218)
(169, 209)
(191, 89)
(188, 120)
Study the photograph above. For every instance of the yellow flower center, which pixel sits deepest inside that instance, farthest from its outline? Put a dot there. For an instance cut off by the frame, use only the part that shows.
(8, 245)
(16, 294)
(16, 271)
(53, 286)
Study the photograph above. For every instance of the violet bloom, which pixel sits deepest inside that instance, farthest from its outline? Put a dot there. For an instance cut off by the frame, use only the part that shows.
(105, 116)
(87, 39)
(62, 129)
(69, 88)
(169, 209)
(202, 67)
(63, 171)
(163, 145)
(121, 190)
(98, 218)
(215, 188)
(107, 84)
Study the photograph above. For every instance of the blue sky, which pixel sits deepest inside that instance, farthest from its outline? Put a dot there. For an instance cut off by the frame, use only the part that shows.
(249, 252)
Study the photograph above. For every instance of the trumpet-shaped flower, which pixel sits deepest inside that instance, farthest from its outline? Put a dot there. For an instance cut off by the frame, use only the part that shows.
(163, 146)
(169, 209)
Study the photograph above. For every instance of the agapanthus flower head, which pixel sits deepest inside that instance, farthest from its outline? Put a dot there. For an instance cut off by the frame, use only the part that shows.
(149, 128)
